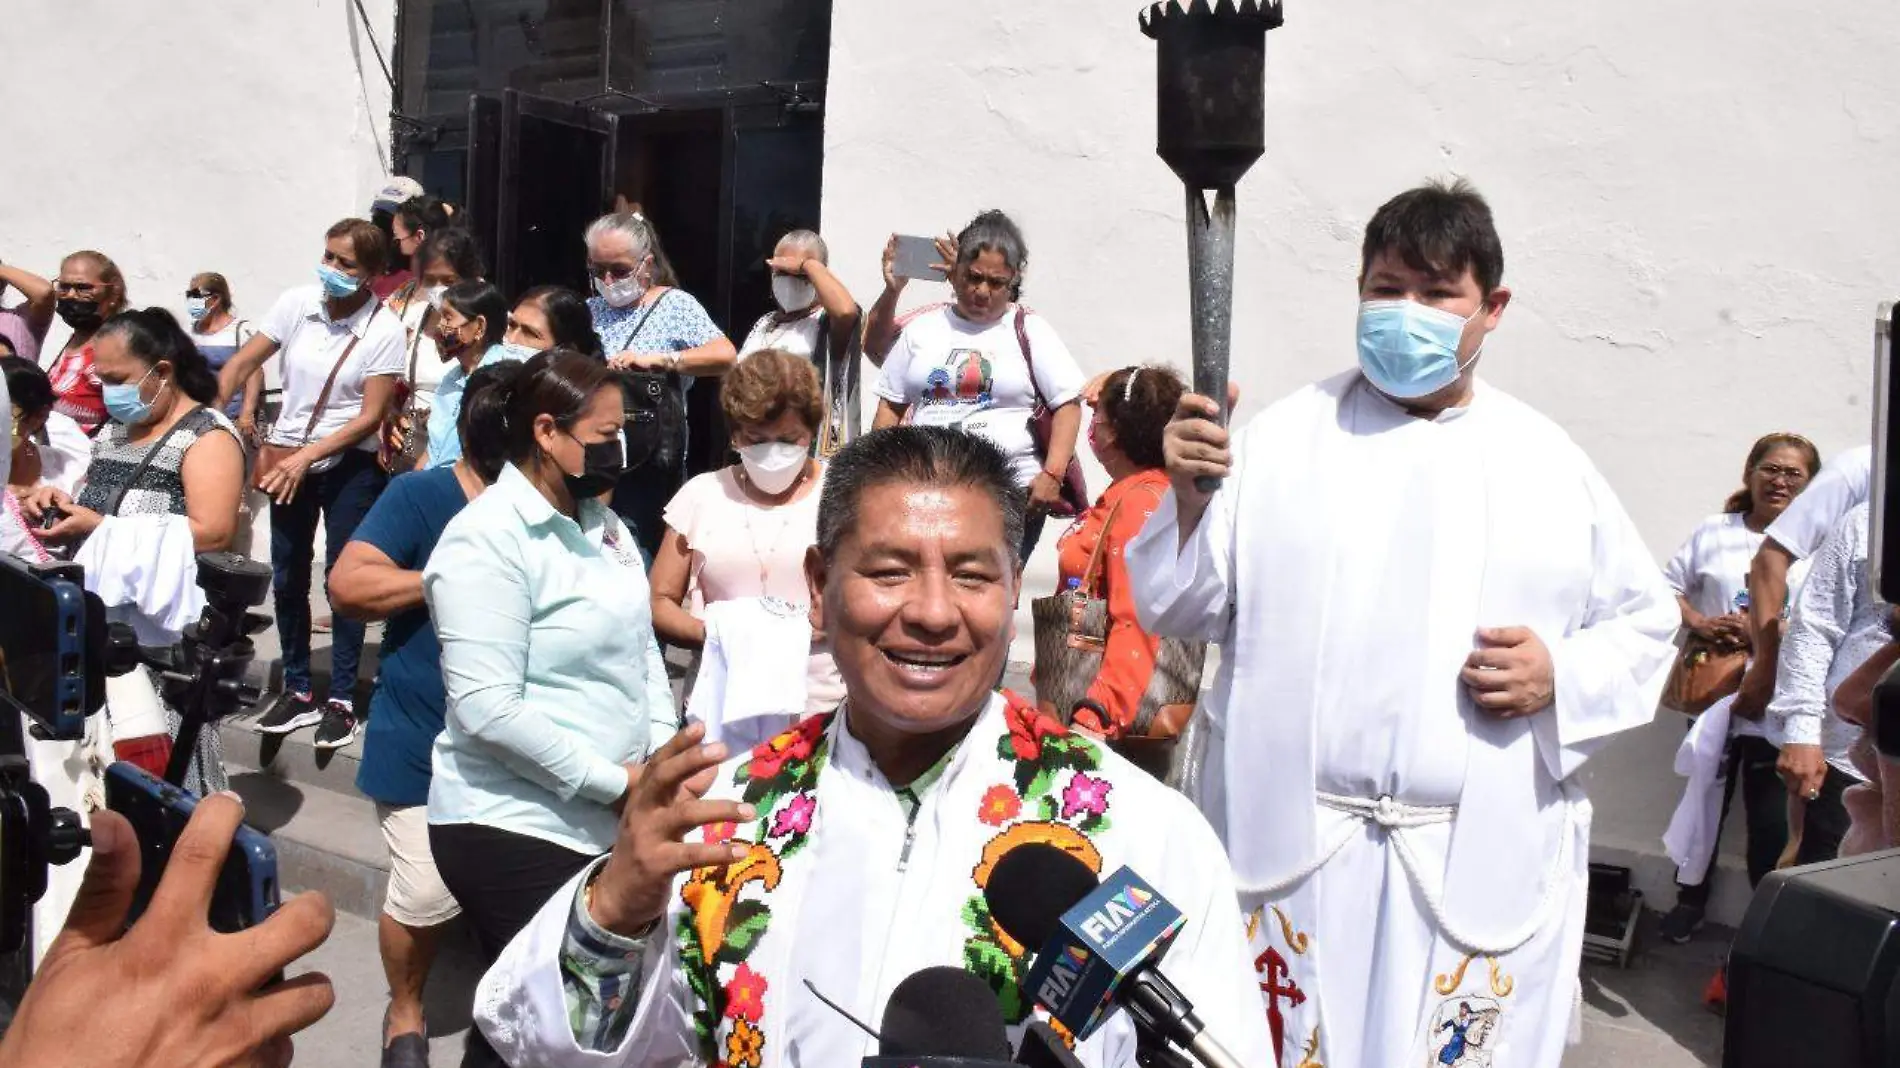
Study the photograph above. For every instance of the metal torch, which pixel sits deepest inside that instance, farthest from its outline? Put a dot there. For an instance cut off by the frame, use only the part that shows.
(1210, 111)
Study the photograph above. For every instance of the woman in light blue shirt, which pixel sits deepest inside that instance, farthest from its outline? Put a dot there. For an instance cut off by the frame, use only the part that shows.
(555, 686)
(470, 321)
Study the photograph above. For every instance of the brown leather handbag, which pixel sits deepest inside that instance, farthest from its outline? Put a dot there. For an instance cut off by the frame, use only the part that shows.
(1702, 675)
(1071, 630)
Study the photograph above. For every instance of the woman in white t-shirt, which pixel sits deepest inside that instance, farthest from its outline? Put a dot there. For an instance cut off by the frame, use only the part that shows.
(343, 353)
(817, 319)
(969, 365)
(1710, 576)
(730, 573)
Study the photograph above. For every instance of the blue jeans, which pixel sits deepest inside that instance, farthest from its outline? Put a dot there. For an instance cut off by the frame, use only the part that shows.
(343, 495)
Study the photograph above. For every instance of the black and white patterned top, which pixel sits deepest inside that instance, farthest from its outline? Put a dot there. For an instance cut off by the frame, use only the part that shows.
(161, 488)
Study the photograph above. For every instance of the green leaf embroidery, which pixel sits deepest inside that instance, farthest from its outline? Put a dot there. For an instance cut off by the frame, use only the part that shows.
(743, 928)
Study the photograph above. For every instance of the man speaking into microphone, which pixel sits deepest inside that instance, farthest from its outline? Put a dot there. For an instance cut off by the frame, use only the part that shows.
(856, 849)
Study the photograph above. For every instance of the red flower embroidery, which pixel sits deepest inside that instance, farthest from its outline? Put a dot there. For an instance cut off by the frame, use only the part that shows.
(719, 833)
(1028, 727)
(745, 995)
(999, 805)
(796, 744)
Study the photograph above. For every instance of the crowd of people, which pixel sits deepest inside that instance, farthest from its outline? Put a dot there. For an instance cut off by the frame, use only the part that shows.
(1412, 671)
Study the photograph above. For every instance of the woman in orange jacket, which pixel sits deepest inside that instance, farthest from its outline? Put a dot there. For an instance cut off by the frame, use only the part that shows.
(1131, 410)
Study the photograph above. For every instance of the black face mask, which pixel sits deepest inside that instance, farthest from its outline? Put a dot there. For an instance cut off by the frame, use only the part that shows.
(79, 314)
(602, 463)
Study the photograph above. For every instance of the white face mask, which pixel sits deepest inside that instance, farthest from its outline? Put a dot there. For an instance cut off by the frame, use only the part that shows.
(793, 293)
(773, 466)
(624, 293)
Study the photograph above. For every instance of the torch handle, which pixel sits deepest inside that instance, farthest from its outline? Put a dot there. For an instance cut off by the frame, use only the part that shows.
(1211, 296)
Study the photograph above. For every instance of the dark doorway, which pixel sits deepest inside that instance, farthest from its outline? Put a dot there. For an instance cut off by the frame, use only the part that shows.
(539, 115)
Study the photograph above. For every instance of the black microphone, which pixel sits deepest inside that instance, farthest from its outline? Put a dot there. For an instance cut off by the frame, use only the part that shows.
(1100, 946)
(942, 1017)
(1042, 1047)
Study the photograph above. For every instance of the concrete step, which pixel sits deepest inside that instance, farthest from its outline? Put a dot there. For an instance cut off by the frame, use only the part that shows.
(326, 840)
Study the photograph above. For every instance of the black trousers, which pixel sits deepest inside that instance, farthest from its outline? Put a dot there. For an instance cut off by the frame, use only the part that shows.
(1765, 805)
(1750, 765)
(501, 879)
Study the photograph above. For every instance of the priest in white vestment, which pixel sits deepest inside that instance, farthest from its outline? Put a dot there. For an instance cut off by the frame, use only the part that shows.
(852, 851)
(1433, 610)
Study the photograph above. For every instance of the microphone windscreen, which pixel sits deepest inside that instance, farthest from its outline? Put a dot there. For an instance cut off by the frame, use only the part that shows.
(1031, 887)
(1043, 1048)
(944, 1012)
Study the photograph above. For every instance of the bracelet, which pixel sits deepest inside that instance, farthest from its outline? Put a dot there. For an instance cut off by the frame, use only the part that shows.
(1059, 478)
(672, 362)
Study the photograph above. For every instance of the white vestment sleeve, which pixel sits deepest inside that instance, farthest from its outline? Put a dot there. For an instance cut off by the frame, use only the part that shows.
(521, 1004)
(1611, 667)
(1817, 627)
(1187, 591)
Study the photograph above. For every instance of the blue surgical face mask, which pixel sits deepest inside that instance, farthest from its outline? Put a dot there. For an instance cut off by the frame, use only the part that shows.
(196, 308)
(124, 404)
(523, 353)
(1410, 350)
(336, 284)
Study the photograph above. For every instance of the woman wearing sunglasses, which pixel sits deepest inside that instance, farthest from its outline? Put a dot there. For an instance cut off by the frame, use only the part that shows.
(647, 323)
(985, 364)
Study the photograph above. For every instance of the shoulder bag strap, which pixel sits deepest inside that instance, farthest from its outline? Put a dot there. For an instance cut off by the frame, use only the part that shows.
(648, 314)
(1029, 357)
(323, 396)
(118, 495)
(1092, 574)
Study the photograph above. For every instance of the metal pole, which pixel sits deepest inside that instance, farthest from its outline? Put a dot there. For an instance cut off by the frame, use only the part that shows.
(1211, 295)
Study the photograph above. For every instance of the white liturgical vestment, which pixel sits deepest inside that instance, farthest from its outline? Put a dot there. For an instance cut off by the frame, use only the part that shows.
(852, 897)
(1413, 870)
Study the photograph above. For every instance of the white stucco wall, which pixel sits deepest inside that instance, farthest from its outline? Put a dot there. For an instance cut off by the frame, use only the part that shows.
(1697, 204)
(189, 135)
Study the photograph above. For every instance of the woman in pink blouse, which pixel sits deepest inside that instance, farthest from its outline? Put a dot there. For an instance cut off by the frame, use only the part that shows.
(738, 537)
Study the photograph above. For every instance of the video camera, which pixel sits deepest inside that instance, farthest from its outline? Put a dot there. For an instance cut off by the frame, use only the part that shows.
(57, 649)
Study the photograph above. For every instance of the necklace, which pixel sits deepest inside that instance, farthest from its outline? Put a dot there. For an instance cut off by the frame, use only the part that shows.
(785, 522)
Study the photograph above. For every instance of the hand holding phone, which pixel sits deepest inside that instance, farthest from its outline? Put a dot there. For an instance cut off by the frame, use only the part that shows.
(917, 257)
(179, 993)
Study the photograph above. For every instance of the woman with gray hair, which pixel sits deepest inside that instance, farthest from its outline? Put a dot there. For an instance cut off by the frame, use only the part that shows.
(985, 365)
(649, 325)
(818, 320)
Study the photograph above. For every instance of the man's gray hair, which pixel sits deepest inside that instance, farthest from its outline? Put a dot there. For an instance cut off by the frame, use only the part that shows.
(917, 456)
(808, 242)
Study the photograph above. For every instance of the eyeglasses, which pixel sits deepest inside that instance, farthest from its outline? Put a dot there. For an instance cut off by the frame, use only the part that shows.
(990, 281)
(198, 294)
(613, 272)
(1778, 473)
(62, 286)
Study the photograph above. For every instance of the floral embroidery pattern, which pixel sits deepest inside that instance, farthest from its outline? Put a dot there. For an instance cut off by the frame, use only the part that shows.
(720, 928)
(1058, 800)
(745, 995)
(745, 1046)
(1000, 805)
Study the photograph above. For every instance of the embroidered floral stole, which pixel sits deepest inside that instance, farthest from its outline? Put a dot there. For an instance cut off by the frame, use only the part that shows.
(1053, 794)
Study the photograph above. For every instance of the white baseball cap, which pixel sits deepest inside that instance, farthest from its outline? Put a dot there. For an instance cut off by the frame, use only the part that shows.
(394, 192)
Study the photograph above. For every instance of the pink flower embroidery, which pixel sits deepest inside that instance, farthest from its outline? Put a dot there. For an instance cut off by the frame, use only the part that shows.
(795, 817)
(1085, 795)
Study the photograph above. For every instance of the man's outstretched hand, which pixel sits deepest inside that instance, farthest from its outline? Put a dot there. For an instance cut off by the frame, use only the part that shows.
(171, 992)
